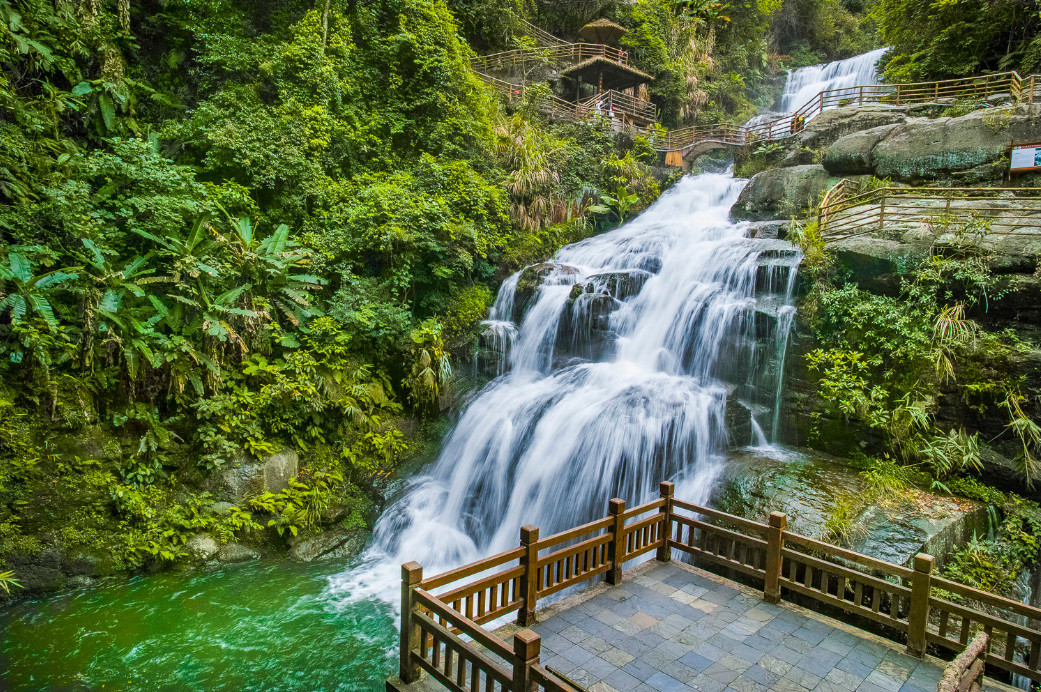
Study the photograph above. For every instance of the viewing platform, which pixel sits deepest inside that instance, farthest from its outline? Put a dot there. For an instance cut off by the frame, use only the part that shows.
(664, 625)
(671, 627)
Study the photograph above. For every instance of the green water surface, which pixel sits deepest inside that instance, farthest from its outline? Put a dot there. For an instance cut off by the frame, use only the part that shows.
(262, 626)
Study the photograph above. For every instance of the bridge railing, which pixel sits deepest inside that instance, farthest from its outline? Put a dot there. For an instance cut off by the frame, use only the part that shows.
(847, 212)
(442, 632)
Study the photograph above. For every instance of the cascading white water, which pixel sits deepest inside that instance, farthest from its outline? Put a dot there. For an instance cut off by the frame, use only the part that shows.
(805, 83)
(620, 372)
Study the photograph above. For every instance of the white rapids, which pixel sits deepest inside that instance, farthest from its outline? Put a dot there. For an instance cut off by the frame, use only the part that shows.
(618, 376)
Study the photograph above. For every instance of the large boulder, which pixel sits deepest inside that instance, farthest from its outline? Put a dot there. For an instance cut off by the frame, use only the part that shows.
(201, 547)
(782, 193)
(972, 147)
(876, 264)
(245, 476)
(234, 552)
(827, 127)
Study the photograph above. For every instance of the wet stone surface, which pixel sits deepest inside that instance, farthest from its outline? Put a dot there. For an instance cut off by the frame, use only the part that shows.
(672, 627)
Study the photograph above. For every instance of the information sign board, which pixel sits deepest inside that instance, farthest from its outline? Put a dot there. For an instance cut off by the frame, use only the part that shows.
(1026, 157)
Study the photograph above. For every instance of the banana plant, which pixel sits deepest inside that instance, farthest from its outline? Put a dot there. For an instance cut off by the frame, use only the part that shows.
(29, 294)
(275, 267)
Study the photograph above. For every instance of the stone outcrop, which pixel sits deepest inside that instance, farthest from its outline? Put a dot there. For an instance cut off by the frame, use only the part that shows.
(970, 149)
(245, 476)
(806, 485)
(332, 543)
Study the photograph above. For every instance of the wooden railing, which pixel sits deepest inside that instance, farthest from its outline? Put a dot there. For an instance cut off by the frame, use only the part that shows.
(561, 55)
(550, 104)
(613, 102)
(846, 212)
(442, 633)
(543, 37)
(965, 672)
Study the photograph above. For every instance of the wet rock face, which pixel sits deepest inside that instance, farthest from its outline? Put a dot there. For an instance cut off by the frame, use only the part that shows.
(530, 279)
(782, 192)
(805, 485)
(39, 572)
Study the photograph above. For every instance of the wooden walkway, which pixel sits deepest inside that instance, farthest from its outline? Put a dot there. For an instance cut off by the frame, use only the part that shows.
(690, 142)
(442, 629)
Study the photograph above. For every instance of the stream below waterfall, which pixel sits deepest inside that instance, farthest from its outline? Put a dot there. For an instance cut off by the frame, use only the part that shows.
(635, 356)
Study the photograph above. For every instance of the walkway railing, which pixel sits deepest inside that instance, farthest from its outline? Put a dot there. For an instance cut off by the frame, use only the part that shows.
(847, 212)
(543, 37)
(620, 103)
(560, 55)
(442, 632)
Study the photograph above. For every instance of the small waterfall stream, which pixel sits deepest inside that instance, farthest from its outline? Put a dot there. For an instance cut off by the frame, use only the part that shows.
(806, 82)
(626, 363)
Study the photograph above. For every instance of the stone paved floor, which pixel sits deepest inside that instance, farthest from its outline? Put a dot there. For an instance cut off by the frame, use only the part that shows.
(670, 627)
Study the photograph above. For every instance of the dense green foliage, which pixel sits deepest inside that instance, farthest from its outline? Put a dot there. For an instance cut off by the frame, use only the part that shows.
(888, 361)
(230, 228)
(938, 39)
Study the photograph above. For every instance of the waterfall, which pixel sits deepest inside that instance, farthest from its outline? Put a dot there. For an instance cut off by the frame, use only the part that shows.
(630, 353)
(805, 83)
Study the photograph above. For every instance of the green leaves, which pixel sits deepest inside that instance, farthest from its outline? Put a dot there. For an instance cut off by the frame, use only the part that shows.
(29, 291)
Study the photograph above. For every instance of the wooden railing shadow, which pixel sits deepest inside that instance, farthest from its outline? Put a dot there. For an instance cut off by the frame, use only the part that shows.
(442, 633)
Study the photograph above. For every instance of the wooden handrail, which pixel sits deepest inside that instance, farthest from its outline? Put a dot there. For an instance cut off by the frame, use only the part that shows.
(907, 601)
(846, 212)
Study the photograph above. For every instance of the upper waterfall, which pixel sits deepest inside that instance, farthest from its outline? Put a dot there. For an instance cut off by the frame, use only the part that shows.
(632, 352)
(805, 83)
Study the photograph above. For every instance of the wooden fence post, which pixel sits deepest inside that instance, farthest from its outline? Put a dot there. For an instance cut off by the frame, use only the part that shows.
(526, 648)
(616, 548)
(882, 212)
(774, 544)
(666, 491)
(918, 617)
(529, 540)
(411, 575)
